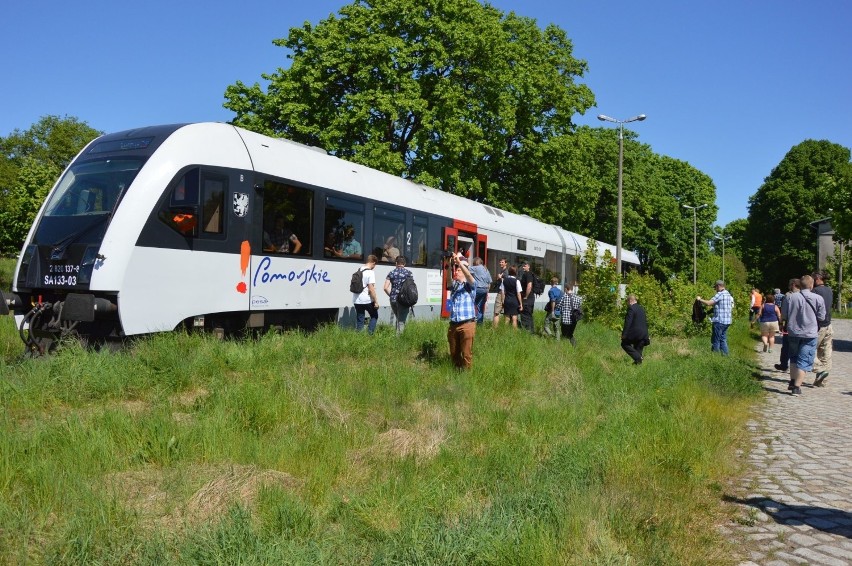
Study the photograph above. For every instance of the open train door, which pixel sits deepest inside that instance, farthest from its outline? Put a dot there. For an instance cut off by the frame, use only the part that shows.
(461, 237)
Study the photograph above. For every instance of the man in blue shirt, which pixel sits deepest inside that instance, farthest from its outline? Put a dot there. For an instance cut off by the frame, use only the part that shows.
(483, 282)
(723, 310)
(551, 310)
(462, 313)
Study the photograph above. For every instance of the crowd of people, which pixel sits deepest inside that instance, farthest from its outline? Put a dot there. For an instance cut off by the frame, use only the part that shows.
(514, 303)
(801, 317)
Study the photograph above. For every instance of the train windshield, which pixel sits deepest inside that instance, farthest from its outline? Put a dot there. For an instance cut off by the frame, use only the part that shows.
(80, 208)
(92, 188)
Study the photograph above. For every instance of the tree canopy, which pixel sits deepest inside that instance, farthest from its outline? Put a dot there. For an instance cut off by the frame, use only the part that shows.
(802, 188)
(455, 95)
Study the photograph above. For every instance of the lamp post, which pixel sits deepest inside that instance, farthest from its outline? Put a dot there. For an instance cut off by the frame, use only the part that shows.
(695, 210)
(722, 237)
(605, 118)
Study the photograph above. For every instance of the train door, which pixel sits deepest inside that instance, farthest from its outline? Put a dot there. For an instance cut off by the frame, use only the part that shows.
(461, 237)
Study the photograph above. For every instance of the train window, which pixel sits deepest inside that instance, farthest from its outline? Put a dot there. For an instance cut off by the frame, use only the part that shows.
(212, 211)
(388, 233)
(287, 219)
(419, 251)
(522, 245)
(92, 188)
(344, 228)
(185, 192)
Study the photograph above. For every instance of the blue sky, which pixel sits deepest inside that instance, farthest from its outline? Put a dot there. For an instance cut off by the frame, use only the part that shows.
(728, 86)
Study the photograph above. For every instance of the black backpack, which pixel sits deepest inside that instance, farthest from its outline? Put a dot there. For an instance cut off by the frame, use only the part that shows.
(407, 295)
(357, 283)
(538, 284)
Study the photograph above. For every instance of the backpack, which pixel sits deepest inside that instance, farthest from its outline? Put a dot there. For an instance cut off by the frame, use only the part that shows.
(407, 295)
(577, 314)
(356, 285)
(537, 284)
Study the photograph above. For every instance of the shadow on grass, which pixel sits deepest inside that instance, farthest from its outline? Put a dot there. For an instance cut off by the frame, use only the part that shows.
(834, 521)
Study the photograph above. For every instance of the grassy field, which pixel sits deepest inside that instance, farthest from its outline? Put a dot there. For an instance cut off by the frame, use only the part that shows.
(338, 448)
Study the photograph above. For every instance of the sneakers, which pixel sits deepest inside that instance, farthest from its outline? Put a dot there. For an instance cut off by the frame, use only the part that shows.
(779, 367)
(796, 391)
(790, 385)
(764, 348)
(770, 350)
(821, 376)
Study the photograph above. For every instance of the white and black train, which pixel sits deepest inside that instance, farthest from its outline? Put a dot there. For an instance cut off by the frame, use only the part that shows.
(216, 227)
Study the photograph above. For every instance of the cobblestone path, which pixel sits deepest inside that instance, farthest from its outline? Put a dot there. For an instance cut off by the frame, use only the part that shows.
(795, 502)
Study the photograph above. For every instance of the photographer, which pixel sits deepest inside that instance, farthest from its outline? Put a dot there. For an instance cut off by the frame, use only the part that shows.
(462, 313)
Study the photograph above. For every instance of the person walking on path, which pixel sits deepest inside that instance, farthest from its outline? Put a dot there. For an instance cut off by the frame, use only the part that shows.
(783, 364)
(769, 317)
(483, 282)
(393, 283)
(634, 336)
(462, 314)
(825, 338)
(802, 312)
(723, 309)
(756, 303)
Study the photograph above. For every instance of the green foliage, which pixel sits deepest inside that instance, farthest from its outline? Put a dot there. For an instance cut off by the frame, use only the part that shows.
(599, 283)
(291, 449)
(458, 95)
(30, 162)
(804, 187)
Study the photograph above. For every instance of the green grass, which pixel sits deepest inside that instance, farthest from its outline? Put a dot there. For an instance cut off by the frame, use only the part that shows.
(338, 448)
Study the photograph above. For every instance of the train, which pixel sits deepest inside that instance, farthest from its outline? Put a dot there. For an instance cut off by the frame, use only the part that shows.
(213, 227)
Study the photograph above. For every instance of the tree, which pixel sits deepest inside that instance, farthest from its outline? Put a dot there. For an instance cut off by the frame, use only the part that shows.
(802, 188)
(455, 95)
(30, 163)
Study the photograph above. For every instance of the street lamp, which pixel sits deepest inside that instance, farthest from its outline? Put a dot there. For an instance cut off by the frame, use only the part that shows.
(695, 210)
(604, 118)
(724, 238)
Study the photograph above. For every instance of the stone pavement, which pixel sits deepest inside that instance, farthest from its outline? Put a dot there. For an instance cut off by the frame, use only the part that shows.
(795, 501)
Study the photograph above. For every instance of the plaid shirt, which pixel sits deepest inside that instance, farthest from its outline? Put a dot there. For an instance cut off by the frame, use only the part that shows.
(461, 299)
(567, 304)
(723, 307)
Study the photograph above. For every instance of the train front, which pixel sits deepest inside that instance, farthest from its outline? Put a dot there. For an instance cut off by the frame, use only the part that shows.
(51, 295)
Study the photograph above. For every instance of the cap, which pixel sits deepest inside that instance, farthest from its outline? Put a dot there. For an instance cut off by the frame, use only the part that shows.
(720, 282)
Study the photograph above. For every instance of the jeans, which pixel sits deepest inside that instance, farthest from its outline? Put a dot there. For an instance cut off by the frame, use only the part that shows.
(359, 318)
(479, 301)
(719, 340)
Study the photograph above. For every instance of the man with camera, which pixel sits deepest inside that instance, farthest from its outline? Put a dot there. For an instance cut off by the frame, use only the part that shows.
(462, 313)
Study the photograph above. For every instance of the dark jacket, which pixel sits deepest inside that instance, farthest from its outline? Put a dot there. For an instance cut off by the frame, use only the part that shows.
(635, 324)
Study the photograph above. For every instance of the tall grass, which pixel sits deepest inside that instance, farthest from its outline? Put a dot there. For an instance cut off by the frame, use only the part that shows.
(335, 447)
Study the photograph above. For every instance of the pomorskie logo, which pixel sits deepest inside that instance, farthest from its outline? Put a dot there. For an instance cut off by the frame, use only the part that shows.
(259, 301)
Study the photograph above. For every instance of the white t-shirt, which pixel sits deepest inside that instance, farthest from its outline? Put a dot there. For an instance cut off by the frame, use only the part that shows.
(368, 276)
